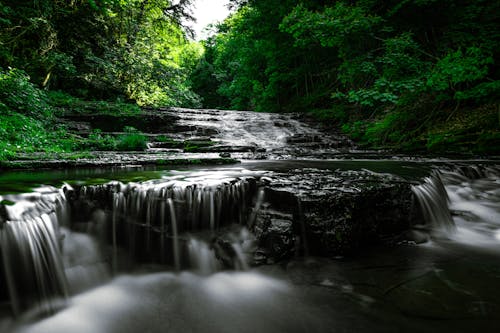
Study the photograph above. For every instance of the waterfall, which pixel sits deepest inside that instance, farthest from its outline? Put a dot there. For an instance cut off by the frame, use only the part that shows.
(175, 235)
(467, 185)
(202, 258)
(474, 193)
(231, 251)
(199, 206)
(149, 218)
(433, 201)
(30, 250)
(43, 258)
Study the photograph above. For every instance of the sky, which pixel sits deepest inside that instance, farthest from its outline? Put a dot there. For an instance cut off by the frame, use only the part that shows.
(206, 12)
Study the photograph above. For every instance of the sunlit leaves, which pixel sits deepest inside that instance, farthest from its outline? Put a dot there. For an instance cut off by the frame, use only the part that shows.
(333, 27)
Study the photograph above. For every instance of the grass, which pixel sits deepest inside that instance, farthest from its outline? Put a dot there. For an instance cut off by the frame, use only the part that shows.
(131, 142)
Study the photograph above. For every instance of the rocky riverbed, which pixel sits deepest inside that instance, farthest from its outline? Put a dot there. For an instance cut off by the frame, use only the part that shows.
(322, 239)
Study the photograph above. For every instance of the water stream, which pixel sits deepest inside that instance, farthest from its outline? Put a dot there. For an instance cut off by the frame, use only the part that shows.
(159, 250)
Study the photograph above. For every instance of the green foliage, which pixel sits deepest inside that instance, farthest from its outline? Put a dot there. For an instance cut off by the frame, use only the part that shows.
(98, 141)
(356, 129)
(337, 113)
(22, 134)
(459, 69)
(19, 95)
(387, 71)
(68, 104)
(334, 27)
(163, 138)
(135, 49)
(389, 130)
(482, 91)
(133, 140)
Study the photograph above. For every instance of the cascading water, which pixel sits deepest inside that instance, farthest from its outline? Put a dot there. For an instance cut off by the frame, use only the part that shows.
(433, 201)
(474, 194)
(146, 218)
(30, 247)
(71, 240)
(463, 203)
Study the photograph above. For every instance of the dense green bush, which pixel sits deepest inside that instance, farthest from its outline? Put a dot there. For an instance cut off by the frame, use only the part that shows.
(22, 134)
(131, 140)
(18, 94)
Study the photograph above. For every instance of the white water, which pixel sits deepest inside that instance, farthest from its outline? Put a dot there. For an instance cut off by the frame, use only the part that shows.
(246, 128)
(475, 204)
(165, 302)
(433, 201)
(463, 205)
(37, 249)
(203, 300)
(29, 244)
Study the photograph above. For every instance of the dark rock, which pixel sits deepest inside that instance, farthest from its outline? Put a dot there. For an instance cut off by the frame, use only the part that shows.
(166, 144)
(416, 236)
(206, 131)
(224, 148)
(3, 213)
(275, 235)
(333, 212)
(303, 138)
(151, 122)
(112, 159)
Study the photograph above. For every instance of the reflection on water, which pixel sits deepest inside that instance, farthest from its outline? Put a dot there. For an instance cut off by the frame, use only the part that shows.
(26, 181)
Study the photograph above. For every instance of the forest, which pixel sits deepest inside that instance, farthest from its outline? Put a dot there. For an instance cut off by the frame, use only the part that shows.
(413, 76)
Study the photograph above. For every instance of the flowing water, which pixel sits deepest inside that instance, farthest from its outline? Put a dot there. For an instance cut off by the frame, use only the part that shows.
(160, 250)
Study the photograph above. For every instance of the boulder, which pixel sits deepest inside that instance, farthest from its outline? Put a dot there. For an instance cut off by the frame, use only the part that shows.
(332, 212)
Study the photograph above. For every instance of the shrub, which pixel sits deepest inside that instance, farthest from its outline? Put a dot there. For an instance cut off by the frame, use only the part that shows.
(131, 140)
(22, 134)
(19, 95)
(98, 141)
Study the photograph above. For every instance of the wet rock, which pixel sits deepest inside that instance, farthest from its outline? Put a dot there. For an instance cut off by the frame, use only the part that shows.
(206, 131)
(3, 212)
(147, 121)
(333, 212)
(275, 235)
(166, 144)
(111, 159)
(303, 138)
(416, 236)
(76, 126)
(224, 148)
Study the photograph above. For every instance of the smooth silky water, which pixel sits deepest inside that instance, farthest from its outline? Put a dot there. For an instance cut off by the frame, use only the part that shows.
(79, 278)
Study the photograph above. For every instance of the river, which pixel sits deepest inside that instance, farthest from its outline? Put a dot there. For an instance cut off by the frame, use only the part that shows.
(172, 249)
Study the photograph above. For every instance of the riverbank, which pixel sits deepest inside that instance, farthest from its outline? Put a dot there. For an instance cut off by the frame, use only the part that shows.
(472, 132)
(92, 137)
